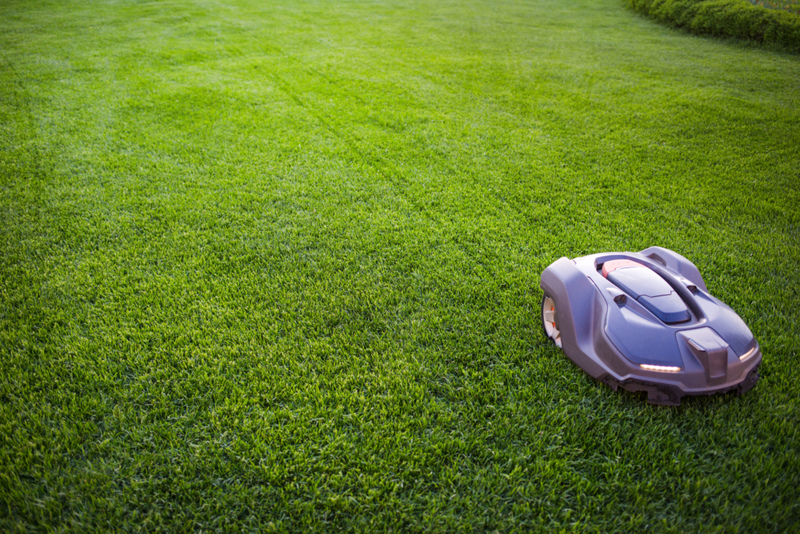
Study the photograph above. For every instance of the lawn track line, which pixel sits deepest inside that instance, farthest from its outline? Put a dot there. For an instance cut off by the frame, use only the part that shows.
(387, 170)
(382, 166)
(358, 147)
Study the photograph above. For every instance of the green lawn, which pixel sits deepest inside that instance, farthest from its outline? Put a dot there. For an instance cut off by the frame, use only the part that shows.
(275, 265)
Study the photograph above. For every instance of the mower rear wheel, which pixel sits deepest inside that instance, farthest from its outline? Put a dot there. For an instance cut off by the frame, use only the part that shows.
(549, 320)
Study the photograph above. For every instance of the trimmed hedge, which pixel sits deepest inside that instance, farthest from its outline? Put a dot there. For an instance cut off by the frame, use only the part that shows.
(727, 18)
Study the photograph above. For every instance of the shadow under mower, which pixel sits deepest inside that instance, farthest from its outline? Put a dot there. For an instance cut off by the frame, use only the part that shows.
(646, 322)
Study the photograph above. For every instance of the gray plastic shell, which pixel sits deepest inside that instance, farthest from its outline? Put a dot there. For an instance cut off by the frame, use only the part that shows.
(621, 343)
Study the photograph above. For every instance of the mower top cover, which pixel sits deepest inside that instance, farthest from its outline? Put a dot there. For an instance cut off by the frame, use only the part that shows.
(646, 322)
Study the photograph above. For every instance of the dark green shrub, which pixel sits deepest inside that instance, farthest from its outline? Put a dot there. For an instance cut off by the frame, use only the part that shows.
(726, 18)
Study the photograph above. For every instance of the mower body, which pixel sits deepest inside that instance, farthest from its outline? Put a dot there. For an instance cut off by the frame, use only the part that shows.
(646, 322)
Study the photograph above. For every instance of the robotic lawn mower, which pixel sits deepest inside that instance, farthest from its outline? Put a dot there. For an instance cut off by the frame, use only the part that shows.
(646, 322)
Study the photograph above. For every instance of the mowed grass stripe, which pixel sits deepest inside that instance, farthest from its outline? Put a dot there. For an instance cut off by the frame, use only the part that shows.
(279, 266)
